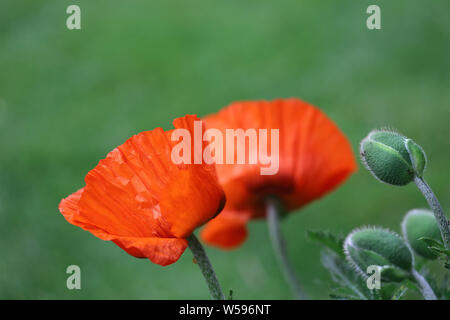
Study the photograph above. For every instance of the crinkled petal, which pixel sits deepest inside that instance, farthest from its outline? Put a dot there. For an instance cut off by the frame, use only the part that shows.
(138, 192)
(69, 207)
(162, 251)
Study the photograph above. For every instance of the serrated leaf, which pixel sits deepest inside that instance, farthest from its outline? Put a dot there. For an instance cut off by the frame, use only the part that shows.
(432, 243)
(438, 248)
(440, 251)
(344, 275)
(328, 239)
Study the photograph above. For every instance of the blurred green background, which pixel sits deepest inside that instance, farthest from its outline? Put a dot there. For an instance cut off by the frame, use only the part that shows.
(69, 97)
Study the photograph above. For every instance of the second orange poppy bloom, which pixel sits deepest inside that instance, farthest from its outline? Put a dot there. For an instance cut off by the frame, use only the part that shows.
(314, 158)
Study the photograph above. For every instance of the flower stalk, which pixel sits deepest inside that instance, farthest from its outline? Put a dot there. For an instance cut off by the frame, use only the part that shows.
(434, 204)
(425, 288)
(206, 268)
(279, 245)
(397, 160)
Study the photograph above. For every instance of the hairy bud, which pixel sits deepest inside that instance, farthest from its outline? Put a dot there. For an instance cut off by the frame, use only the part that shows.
(420, 223)
(380, 247)
(392, 158)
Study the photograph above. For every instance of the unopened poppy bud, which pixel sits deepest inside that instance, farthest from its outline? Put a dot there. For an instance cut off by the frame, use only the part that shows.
(378, 247)
(391, 157)
(420, 223)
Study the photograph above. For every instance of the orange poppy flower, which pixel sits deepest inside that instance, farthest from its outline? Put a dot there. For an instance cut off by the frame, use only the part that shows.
(314, 158)
(143, 202)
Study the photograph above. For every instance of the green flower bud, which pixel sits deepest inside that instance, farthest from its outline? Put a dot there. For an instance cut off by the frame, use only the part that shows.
(392, 158)
(420, 223)
(380, 247)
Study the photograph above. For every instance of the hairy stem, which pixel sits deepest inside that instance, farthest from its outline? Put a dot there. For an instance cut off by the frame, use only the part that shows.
(279, 245)
(425, 288)
(433, 202)
(205, 266)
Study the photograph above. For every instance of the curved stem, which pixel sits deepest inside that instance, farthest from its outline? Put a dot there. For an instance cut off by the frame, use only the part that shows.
(442, 221)
(205, 266)
(279, 245)
(425, 288)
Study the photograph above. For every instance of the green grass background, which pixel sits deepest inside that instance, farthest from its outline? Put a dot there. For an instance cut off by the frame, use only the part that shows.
(69, 97)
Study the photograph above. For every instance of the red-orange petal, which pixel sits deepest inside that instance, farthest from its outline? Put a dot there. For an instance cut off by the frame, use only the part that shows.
(162, 251)
(138, 192)
(227, 231)
(314, 156)
(69, 207)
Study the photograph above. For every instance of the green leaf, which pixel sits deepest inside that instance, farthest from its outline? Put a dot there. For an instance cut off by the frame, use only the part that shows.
(328, 239)
(399, 293)
(439, 249)
(345, 276)
(432, 242)
(343, 293)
